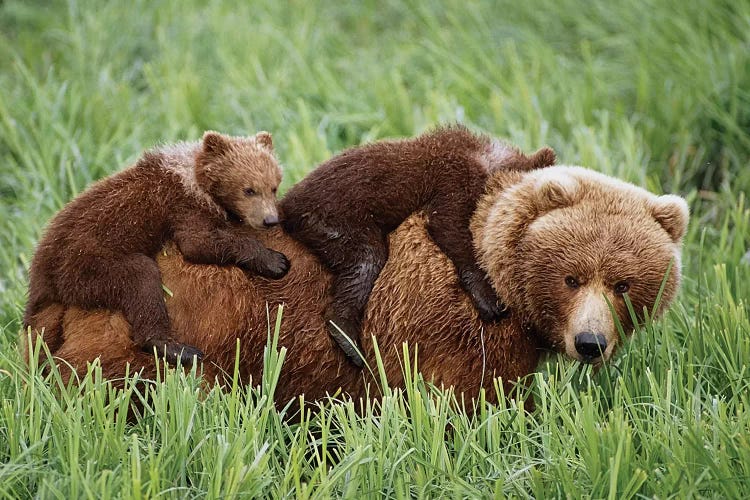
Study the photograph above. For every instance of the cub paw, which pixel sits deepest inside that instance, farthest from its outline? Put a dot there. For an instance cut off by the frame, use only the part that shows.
(491, 309)
(275, 266)
(339, 329)
(174, 352)
(489, 306)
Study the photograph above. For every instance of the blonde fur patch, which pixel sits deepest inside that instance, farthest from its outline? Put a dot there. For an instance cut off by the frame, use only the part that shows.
(590, 313)
(497, 153)
(179, 159)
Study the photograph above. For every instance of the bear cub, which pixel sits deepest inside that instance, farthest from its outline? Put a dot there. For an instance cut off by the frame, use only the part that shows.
(344, 210)
(99, 250)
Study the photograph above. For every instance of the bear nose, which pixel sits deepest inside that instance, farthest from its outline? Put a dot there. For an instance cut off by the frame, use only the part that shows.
(590, 345)
(270, 220)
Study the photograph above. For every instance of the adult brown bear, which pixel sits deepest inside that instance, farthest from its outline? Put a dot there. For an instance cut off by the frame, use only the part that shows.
(558, 244)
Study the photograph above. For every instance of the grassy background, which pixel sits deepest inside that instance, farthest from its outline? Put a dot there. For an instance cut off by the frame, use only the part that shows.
(654, 91)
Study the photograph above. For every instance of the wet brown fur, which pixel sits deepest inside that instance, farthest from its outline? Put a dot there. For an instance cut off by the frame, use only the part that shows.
(344, 210)
(99, 250)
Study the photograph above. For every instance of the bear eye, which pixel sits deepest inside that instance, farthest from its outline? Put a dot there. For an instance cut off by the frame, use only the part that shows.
(250, 192)
(571, 282)
(274, 191)
(622, 287)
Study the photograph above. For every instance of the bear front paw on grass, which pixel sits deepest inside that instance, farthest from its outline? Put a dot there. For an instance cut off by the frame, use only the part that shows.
(98, 251)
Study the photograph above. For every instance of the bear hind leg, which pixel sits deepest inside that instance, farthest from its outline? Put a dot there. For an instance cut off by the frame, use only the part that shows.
(132, 285)
(354, 280)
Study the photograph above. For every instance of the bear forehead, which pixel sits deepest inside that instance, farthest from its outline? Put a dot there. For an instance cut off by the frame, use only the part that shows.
(589, 239)
(250, 162)
(572, 177)
(588, 222)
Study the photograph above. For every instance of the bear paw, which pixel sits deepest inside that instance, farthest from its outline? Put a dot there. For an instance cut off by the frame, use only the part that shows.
(339, 329)
(174, 352)
(491, 310)
(274, 266)
(489, 306)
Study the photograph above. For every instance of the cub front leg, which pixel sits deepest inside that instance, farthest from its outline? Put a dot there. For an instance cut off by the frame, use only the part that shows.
(223, 246)
(258, 259)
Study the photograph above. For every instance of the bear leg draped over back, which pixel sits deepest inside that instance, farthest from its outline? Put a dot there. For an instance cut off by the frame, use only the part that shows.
(345, 208)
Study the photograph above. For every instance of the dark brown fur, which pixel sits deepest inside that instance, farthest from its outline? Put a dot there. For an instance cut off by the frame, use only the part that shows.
(345, 209)
(98, 252)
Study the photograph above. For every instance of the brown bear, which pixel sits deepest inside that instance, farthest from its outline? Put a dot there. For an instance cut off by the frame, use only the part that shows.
(98, 251)
(344, 210)
(534, 231)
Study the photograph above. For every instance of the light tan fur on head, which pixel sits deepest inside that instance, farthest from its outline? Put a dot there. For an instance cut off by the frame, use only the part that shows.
(561, 242)
(241, 174)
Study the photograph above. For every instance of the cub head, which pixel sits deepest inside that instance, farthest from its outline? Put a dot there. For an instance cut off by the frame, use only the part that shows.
(565, 246)
(241, 175)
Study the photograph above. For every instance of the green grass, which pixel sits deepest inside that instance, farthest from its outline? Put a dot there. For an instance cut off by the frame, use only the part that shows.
(656, 92)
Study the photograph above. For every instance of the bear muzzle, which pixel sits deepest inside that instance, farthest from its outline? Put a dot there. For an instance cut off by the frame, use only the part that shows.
(270, 220)
(591, 346)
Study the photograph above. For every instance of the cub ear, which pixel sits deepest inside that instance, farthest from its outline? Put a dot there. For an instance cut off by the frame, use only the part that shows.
(545, 157)
(672, 213)
(264, 139)
(215, 143)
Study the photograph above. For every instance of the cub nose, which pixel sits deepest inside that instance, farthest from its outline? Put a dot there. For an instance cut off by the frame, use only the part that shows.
(590, 345)
(270, 220)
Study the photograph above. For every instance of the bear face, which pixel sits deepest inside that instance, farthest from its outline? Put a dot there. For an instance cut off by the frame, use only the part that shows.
(241, 175)
(567, 245)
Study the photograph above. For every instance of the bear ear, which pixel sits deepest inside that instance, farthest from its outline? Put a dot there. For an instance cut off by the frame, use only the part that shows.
(215, 143)
(545, 157)
(555, 190)
(672, 213)
(264, 139)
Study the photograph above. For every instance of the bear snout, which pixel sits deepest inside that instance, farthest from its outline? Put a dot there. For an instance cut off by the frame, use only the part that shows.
(270, 220)
(590, 345)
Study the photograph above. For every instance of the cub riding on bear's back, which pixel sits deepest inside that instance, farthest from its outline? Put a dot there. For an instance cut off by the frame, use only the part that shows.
(344, 210)
(98, 252)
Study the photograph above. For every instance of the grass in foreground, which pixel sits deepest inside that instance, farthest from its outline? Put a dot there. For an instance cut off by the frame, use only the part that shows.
(652, 91)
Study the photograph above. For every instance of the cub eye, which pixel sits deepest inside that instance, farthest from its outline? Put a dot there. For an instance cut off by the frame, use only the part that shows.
(571, 282)
(274, 191)
(250, 192)
(622, 287)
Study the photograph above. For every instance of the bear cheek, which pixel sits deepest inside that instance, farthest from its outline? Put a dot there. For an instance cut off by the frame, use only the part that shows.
(252, 211)
(545, 304)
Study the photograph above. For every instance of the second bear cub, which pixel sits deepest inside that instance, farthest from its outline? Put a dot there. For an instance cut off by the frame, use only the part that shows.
(98, 251)
(345, 209)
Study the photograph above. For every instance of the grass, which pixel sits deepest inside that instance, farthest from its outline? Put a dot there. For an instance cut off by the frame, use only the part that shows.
(653, 91)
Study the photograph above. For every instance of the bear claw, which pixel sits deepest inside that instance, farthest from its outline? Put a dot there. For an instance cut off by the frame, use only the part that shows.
(350, 346)
(276, 267)
(492, 312)
(176, 353)
(486, 301)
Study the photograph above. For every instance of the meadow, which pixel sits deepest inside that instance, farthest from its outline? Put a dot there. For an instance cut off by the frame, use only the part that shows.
(656, 92)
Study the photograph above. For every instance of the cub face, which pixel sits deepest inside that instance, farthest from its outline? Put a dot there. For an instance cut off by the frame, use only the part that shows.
(568, 245)
(241, 175)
